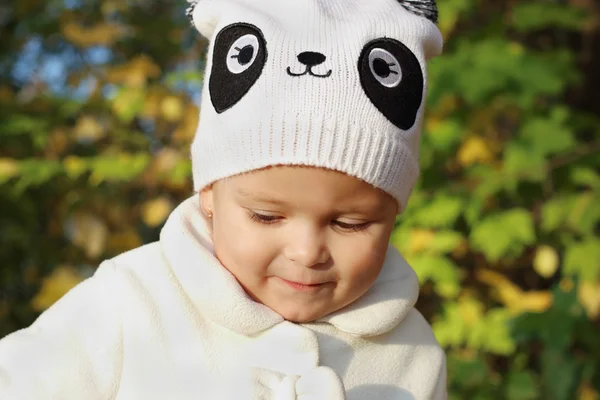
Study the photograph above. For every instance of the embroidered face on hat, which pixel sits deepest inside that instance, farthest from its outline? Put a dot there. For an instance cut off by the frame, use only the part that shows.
(338, 84)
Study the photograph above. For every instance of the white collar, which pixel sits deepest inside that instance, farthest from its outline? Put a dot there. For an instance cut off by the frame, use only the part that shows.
(215, 291)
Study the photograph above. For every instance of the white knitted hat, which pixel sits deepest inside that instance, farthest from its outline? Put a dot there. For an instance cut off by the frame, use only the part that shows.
(338, 84)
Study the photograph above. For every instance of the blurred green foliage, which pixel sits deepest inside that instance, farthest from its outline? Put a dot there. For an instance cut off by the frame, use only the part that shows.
(98, 108)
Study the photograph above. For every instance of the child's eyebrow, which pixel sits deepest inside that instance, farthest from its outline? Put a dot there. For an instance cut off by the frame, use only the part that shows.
(261, 197)
(360, 208)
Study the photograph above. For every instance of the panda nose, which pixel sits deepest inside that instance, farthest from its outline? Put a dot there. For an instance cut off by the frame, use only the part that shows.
(310, 58)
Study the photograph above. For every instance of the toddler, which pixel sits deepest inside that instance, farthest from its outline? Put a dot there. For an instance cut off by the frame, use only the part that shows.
(275, 280)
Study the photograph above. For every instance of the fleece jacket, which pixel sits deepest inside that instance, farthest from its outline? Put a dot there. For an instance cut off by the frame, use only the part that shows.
(168, 321)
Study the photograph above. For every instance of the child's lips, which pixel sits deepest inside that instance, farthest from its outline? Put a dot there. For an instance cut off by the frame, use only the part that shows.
(302, 286)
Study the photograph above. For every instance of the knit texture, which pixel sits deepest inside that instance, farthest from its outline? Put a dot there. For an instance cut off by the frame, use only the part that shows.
(168, 321)
(336, 84)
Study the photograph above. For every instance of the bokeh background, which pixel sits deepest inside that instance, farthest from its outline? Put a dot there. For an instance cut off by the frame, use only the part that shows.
(99, 102)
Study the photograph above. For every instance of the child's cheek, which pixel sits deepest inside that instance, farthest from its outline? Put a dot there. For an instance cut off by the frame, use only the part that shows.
(248, 242)
(361, 258)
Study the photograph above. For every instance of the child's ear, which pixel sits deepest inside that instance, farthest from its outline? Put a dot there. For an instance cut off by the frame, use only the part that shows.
(206, 201)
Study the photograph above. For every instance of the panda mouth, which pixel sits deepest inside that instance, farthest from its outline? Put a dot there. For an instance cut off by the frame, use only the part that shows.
(308, 71)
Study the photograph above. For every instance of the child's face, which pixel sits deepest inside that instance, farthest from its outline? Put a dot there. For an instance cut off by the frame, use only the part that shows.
(303, 241)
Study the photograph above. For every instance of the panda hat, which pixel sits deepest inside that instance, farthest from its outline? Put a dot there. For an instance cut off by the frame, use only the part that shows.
(337, 84)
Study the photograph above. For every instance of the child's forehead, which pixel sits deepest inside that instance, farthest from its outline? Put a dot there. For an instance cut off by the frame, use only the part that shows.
(292, 183)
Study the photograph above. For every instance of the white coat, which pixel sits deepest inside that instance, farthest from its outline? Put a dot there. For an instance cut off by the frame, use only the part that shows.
(168, 321)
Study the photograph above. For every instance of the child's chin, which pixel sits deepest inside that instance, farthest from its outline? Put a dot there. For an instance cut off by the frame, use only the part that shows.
(300, 316)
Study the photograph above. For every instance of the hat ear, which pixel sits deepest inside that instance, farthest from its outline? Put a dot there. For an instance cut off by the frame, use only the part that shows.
(204, 16)
(422, 8)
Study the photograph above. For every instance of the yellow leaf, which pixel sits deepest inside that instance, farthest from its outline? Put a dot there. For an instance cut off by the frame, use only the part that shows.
(74, 166)
(187, 128)
(432, 124)
(589, 297)
(447, 23)
(127, 103)
(165, 161)
(420, 240)
(112, 6)
(470, 309)
(135, 73)
(155, 212)
(88, 129)
(62, 279)
(516, 300)
(172, 108)
(99, 34)
(58, 141)
(123, 241)
(88, 232)
(475, 150)
(546, 261)
(8, 168)
(515, 48)
(566, 284)
(533, 301)
(447, 105)
(587, 392)
(152, 102)
(506, 290)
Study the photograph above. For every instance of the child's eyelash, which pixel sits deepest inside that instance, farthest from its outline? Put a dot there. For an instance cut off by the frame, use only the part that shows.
(352, 227)
(271, 219)
(263, 219)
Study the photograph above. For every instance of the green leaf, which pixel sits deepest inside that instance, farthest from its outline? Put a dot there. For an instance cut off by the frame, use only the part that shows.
(584, 214)
(483, 69)
(445, 135)
(554, 213)
(524, 163)
(560, 375)
(22, 124)
(583, 259)
(474, 209)
(181, 172)
(441, 270)
(530, 16)
(121, 167)
(586, 177)
(468, 373)
(504, 234)
(128, 103)
(492, 333)
(445, 242)
(521, 385)
(549, 135)
(450, 329)
(441, 212)
(35, 172)
(176, 78)
(555, 327)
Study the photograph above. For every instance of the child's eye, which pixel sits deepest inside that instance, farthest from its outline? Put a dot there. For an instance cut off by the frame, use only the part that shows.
(263, 219)
(351, 227)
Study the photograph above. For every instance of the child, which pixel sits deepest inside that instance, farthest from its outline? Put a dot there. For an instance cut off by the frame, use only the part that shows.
(276, 281)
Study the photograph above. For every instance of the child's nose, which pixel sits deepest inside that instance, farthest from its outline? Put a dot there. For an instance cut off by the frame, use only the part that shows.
(307, 249)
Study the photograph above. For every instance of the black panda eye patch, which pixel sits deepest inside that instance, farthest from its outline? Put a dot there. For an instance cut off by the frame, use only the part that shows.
(391, 77)
(239, 56)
